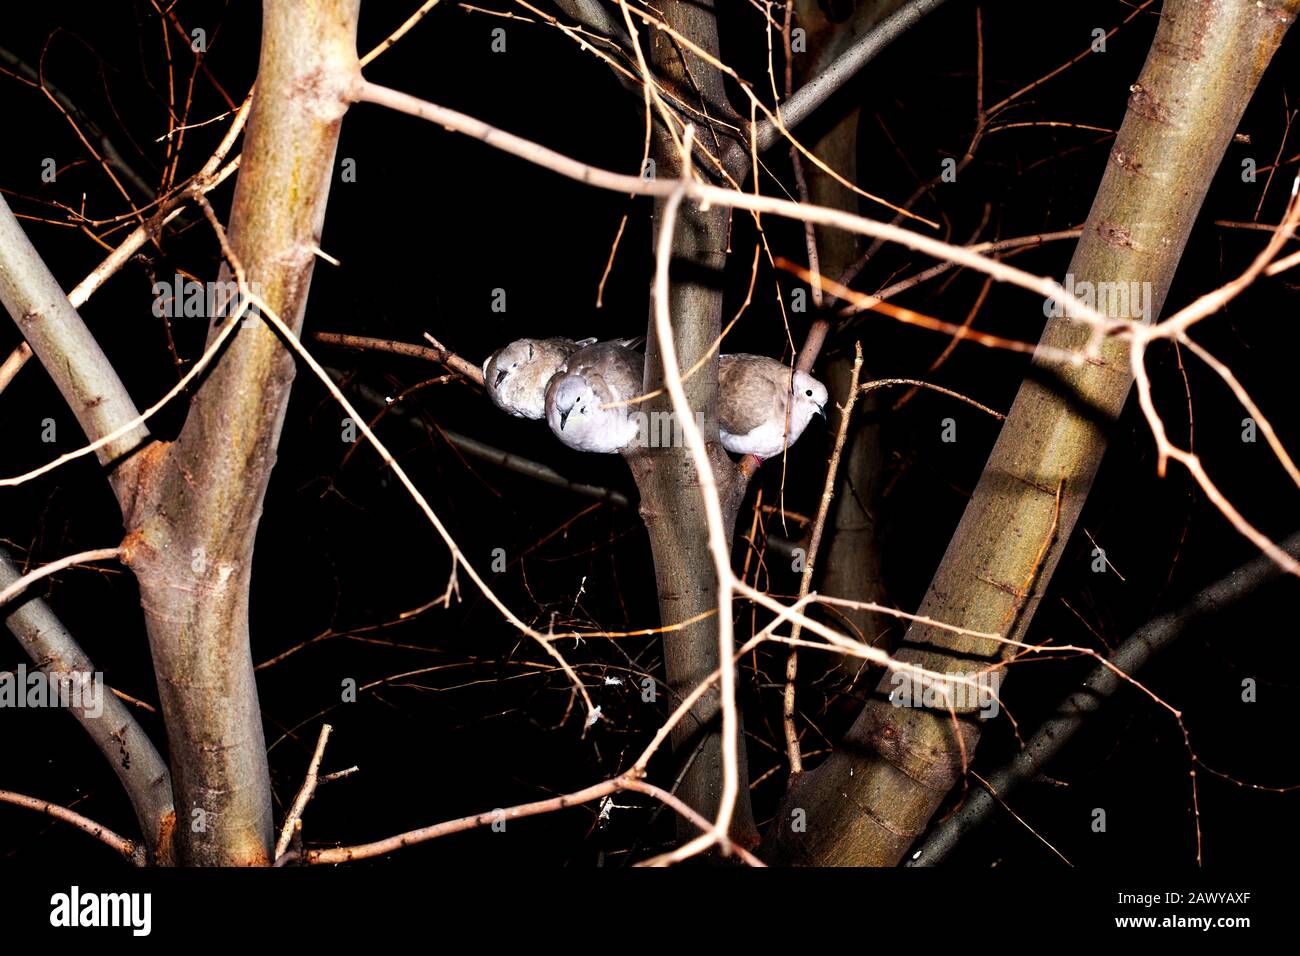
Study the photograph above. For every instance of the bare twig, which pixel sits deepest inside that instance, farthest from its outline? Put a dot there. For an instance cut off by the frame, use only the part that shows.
(1130, 657)
(305, 793)
(112, 727)
(810, 562)
(21, 584)
(125, 848)
(441, 355)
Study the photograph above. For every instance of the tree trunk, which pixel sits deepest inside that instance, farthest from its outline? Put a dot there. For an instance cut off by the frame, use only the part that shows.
(671, 502)
(190, 538)
(868, 802)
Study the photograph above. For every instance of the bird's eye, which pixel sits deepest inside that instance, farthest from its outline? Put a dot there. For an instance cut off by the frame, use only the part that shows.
(809, 393)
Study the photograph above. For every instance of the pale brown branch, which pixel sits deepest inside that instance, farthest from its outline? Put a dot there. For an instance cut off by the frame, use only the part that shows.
(810, 562)
(305, 793)
(114, 730)
(128, 849)
(1077, 309)
(440, 355)
(918, 383)
(1098, 687)
(82, 557)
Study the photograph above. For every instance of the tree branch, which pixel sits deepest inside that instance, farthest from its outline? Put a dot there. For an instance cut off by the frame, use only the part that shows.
(821, 87)
(114, 730)
(191, 545)
(875, 794)
(22, 582)
(70, 354)
(485, 452)
(1099, 686)
(810, 563)
(128, 849)
(305, 793)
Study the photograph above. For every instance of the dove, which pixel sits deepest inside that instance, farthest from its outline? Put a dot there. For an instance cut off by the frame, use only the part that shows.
(516, 375)
(755, 393)
(591, 378)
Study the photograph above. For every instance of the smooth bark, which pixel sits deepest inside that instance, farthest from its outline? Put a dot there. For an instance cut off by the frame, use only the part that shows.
(71, 356)
(869, 800)
(672, 506)
(1099, 686)
(114, 730)
(190, 540)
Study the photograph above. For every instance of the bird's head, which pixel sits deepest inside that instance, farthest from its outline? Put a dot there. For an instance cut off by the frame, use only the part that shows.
(574, 403)
(504, 362)
(810, 392)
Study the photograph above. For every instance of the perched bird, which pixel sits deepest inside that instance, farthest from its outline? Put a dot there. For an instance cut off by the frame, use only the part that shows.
(761, 408)
(517, 374)
(592, 377)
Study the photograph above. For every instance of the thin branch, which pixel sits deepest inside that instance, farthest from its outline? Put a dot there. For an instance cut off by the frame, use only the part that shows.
(128, 849)
(843, 68)
(305, 793)
(918, 383)
(719, 545)
(13, 364)
(113, 728)
(70, 354)
(365, 343)
(1093, 692)
(400, 32)
(81, 557)
(345, 854)
(810, 562)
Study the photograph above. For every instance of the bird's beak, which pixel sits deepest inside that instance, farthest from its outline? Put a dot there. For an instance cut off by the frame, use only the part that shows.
(501, 376)
(564, 417)
(821, 410)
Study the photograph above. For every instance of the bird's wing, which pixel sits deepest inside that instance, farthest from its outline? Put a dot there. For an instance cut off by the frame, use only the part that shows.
(627, 372)
(752, 390)
(614, 372)
(553, 351)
